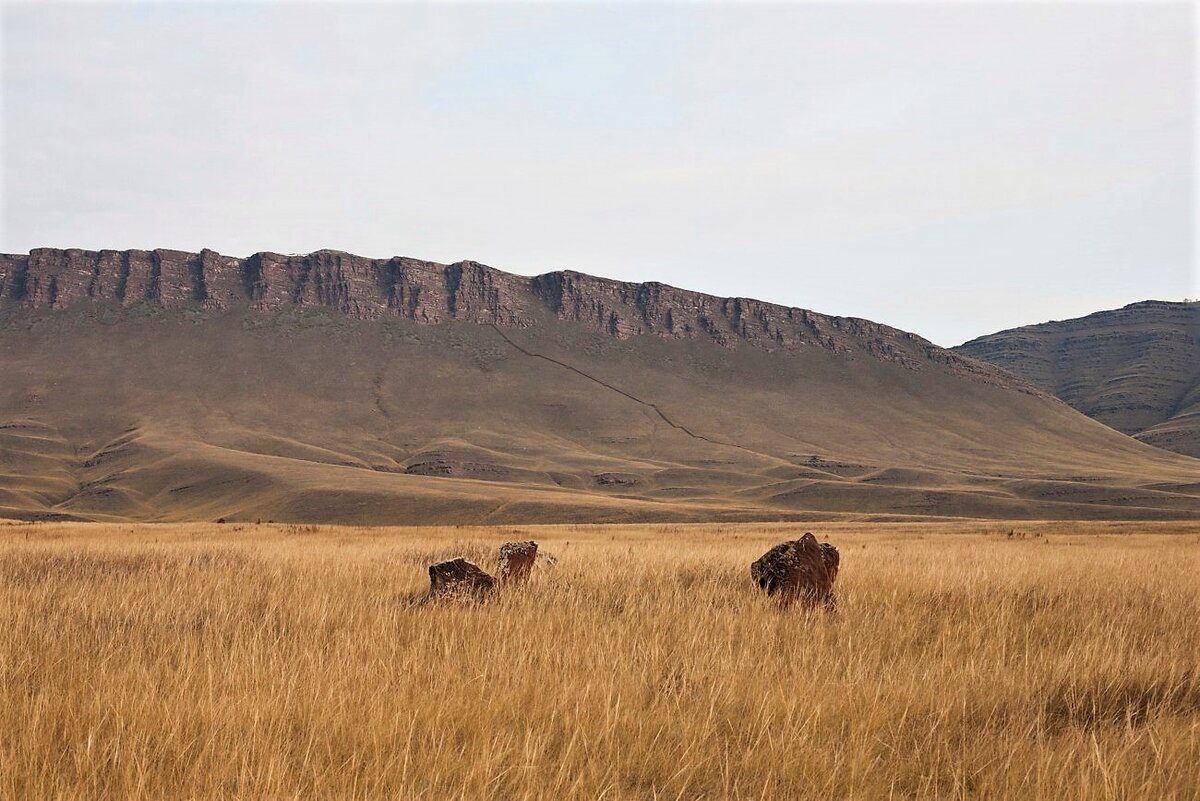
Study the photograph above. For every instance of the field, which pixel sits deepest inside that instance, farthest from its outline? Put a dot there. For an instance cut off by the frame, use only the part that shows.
(1029, 660)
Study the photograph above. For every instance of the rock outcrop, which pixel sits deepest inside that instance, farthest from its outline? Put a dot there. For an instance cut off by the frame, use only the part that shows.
(516, 561)
(458, 579)
(799, 570)
(432, 293)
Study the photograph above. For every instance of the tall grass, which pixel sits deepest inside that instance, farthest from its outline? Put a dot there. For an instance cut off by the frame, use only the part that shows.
(272, 662)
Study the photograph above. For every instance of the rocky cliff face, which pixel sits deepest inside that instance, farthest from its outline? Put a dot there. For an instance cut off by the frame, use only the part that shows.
(426, 393)
(1136, 369)
(432, 293)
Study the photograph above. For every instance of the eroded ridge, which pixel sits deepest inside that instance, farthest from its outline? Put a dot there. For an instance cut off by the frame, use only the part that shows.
(431, 293)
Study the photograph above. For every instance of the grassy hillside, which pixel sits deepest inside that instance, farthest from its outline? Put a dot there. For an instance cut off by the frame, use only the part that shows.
(144, 413)
(1136, 369)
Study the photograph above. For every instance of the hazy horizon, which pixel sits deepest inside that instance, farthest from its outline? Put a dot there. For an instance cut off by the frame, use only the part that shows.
(952, 170)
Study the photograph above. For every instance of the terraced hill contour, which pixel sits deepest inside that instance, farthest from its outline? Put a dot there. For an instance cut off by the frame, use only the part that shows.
(162, 385)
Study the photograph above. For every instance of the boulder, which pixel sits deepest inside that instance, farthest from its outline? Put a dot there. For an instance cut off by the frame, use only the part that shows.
(458, 579)
(799, 570)
(832, 560)
(516, 560)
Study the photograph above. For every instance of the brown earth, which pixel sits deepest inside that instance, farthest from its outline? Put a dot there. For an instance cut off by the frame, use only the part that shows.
(157, 385)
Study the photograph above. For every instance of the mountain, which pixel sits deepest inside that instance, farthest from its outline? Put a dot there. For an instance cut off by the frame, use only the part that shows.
(162, 385)
(1136, 369)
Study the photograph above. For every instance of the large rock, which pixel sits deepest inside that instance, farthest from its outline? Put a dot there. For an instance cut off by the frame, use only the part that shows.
(799, 570)
(516, 560)
(458, 579)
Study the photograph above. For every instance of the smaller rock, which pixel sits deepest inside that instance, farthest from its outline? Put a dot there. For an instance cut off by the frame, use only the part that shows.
(617, 479)
(458, 579)
(516, 560)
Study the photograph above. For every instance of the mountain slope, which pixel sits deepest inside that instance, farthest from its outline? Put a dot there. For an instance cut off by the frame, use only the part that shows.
(1136, 369)
(158, 385)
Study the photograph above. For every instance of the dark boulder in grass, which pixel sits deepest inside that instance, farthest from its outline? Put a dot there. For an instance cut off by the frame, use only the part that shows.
(458, 579)
(516, 560)
(801, 570)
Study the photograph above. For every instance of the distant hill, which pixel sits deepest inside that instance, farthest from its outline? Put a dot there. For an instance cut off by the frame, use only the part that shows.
(162, 385)
(1136, 369)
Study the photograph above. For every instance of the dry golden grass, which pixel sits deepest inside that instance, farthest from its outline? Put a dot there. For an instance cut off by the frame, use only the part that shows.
(209, 661)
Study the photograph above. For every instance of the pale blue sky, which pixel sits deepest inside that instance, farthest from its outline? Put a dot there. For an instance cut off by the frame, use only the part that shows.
(952, 169)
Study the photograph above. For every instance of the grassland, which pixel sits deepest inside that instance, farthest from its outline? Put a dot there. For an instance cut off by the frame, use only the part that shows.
(223, 661)
(317, 418)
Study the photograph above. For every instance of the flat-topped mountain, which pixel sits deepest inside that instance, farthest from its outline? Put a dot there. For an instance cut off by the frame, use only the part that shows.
(162, 385)
(1136, 369)
(426, 292)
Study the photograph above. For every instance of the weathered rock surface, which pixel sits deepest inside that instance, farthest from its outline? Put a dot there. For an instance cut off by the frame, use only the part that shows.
(1136, 369)
(799, 570)
(467, 291)
(458, 579)
(516, 560)
(832, 561)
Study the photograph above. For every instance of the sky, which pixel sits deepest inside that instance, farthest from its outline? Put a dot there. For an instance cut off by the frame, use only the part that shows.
(952, 169)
